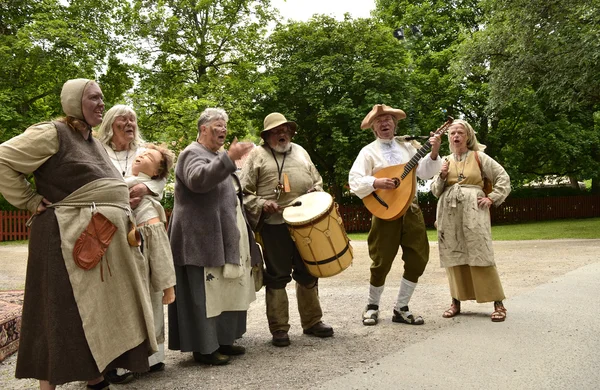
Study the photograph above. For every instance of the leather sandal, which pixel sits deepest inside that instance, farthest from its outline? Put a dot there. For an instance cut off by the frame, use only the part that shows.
(454, 309)
(499, 314)
(404, 316)
(370, 316)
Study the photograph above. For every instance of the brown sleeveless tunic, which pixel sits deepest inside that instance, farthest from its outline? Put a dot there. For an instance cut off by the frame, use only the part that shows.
(53, 346)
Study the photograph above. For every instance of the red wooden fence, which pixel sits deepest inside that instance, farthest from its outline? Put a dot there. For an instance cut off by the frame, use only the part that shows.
(358, 219)
(12, 225)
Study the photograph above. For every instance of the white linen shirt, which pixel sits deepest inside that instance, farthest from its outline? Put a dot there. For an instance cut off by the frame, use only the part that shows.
(381, 154)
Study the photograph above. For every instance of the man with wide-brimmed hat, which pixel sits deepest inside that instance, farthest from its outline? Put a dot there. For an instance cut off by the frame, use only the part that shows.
(273, 176)
(408, 231)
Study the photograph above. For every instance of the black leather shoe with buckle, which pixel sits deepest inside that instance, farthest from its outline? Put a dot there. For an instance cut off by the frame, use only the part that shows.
(320, 329)
(213, 359)
(280, 338)
(232, 350)
(117, 379)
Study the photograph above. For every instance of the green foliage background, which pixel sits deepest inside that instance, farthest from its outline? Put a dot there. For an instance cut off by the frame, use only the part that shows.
(525, 74)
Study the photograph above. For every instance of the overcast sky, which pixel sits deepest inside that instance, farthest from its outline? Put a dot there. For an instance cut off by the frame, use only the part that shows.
(302, 10)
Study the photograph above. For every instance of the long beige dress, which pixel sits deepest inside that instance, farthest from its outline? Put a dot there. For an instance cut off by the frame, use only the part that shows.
(76, 323)
(464, 229)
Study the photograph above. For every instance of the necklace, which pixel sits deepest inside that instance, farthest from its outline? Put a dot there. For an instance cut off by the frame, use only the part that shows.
(280, 186)
(460, 175)
(123, 171)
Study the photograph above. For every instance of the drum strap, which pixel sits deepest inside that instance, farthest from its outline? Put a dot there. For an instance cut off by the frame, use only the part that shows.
(329, 260)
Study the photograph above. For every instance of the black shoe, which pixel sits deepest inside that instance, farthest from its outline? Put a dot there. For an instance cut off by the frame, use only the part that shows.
(232, 350)
(160, 366)
(117, 379)
(157, 367)
(213, 359)
(104, 385)
(320, 329)
(404, 316)
(280, 338)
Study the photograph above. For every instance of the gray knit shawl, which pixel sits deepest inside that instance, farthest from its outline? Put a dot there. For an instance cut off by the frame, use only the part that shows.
(203, 229)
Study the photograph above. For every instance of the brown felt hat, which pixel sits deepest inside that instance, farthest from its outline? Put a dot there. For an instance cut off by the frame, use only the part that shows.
(275, 119)
(381, 109)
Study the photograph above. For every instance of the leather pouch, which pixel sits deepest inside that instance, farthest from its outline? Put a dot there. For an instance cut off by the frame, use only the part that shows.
(93, 242)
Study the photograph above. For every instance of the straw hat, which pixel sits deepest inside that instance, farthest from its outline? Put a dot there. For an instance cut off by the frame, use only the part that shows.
(275, 119)
(381, 109)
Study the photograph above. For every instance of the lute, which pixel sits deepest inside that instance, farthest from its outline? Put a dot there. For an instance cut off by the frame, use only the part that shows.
(392, 204)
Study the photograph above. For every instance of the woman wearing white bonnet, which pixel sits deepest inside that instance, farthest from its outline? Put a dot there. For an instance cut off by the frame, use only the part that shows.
(75, 324)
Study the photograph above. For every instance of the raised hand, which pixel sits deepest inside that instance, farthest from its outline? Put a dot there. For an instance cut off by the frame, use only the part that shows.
(239, 149)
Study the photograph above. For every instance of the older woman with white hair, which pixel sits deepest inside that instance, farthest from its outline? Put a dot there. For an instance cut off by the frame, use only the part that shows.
(463, 220)
(213, 247)
(120, 136)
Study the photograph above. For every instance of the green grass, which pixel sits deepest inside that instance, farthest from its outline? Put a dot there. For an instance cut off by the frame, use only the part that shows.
(547, 230)
(19, 242)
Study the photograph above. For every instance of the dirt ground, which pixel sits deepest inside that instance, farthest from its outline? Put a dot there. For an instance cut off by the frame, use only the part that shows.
(522, 265)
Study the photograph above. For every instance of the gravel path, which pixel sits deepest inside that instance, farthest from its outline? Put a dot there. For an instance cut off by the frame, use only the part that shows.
(309, 361)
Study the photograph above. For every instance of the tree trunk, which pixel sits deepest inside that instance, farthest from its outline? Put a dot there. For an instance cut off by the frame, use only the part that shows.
(596, 185)
(574, 182)
(336, 192)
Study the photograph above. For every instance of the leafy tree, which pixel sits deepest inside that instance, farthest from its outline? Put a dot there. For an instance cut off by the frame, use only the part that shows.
(196, 54)
(544, 84)
(432, 31)
(326, 75)
(42, 44)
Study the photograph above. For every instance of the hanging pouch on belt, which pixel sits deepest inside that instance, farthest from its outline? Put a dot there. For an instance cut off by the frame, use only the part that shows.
(93, 242)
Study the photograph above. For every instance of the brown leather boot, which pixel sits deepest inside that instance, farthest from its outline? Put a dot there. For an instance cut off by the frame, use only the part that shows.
(276, 300)
(320, 329)
(280, 338)
(310, 311)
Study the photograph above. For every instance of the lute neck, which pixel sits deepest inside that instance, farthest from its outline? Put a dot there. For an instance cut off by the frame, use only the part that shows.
(416, 158)
(425, 149)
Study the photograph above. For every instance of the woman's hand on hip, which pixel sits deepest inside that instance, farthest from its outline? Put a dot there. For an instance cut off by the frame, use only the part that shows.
(484, 202)
(42, 206)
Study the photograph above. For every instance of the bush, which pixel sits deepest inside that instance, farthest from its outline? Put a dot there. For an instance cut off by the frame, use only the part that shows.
(168, 200)
(545, 192)
(5, 206)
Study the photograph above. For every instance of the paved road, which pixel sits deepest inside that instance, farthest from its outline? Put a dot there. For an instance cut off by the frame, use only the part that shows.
(552, 341)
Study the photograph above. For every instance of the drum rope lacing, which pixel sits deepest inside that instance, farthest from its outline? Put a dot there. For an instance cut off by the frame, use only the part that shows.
(327, 233)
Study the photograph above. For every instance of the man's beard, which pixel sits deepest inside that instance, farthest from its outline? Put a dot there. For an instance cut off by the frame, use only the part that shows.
(282, 148)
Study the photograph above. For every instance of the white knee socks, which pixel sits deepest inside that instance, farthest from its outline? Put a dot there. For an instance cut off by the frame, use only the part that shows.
(374, 294)
(406, 291)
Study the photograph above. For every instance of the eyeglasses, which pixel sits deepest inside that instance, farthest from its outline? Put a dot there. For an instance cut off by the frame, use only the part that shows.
(281, 130)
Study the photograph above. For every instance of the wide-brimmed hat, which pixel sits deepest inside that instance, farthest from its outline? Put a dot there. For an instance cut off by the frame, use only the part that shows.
(276, 119)
(381, 109)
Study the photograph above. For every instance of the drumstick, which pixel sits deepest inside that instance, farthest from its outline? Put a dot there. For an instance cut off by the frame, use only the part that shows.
(295, 204)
